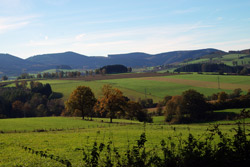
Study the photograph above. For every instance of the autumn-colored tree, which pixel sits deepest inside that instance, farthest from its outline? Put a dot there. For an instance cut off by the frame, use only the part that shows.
(24, 84)
(97, 71)
(173, 109)
(159, 109)
(78, 74)
(112, 102)
(222, 97)
(82, 99)
(103, 71)
(39, 76)
(4, 78)
(17, 107)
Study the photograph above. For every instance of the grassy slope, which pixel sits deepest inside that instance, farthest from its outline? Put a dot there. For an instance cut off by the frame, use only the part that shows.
(158, 88)
(64, 143)
(226, 59)
(214, 78)
(53, 123)
(135, 88)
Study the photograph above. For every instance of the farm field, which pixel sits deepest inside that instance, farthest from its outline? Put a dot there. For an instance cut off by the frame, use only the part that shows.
(64, 137)
(227, 59)
(159, 86)
(75, 134)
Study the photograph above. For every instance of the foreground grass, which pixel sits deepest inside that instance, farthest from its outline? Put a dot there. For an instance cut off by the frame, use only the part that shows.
(77, 133)
(56, 124)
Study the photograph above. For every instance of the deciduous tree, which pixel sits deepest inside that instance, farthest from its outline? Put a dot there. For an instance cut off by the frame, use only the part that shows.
(173, 109)
(112, 101)
(4, 78)
(222, 97)
(82, 99)
(194, 104)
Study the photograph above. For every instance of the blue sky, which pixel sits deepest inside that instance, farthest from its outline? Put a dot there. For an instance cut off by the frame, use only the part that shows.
(102, 27)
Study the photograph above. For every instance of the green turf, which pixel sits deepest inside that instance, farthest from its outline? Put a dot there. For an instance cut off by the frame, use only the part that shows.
(54, 123)
(226, 59)
(234, 110)
(140, 88)
(158, 88)
(65, 143)
(234, 79)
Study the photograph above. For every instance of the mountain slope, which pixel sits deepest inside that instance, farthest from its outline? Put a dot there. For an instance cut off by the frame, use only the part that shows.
(11, 65)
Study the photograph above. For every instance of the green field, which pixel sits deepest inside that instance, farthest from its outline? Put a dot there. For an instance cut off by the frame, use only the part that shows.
(156, 88)
(242, 59)
(64, 137)
(234, 79)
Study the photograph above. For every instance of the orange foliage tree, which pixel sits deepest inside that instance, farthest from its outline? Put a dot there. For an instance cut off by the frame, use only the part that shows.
(112, 102)
(81, 99)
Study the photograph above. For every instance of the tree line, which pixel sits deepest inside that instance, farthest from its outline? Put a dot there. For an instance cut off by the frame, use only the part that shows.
(112, 104)
(208, 67)
(37, 101)
(192, 106)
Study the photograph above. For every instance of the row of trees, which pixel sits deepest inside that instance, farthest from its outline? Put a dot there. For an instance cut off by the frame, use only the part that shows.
(112, 104)
(112, 69)
(59, 74)
(193, 106)
(207, 67)
(21, 101)
(4, 78)
(72, 74)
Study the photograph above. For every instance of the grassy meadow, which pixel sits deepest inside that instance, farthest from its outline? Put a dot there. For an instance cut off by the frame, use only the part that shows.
(158, 87)
(227, 59)
(66, 136)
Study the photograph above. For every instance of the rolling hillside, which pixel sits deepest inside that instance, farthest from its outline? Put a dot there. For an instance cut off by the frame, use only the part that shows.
(11, 65)
(231, 59)
(136, 59)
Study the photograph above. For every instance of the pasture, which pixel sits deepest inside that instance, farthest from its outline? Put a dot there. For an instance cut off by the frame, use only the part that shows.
(65, 137)
(241, 59)
(159, 86)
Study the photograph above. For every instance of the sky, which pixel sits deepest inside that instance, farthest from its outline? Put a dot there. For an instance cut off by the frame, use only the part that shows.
(102, 27)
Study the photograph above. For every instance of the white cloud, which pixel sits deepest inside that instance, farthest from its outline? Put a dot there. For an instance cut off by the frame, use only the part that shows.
(80, 37)
(13, 23)
(4, 27)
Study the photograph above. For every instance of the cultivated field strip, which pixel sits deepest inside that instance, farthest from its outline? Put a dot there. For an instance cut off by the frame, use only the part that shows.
(196, 83)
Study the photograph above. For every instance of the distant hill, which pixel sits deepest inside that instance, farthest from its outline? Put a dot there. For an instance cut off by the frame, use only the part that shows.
(233, 58)
(136, 59)
(11, 65)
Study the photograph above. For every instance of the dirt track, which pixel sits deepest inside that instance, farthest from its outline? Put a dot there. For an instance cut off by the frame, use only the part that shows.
(204, 84)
